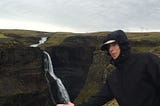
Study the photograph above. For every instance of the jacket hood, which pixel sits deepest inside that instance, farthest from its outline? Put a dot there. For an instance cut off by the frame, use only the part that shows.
(118, 36)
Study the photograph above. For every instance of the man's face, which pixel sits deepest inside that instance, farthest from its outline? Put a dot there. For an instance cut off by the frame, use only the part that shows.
(114, 50)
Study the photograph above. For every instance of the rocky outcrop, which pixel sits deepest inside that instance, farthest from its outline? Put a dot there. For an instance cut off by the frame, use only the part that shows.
(71, 64)
(22, 75)
(21, 72)
(71, 61)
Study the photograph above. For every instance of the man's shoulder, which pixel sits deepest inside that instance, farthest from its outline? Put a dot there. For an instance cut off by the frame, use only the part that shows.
(139, 57)
(147, 54)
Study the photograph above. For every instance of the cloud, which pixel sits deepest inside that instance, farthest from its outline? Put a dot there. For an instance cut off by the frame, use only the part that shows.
(12, 24)
(85, 15)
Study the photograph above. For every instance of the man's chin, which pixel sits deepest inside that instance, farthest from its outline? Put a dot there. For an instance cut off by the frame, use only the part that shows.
(114, 57)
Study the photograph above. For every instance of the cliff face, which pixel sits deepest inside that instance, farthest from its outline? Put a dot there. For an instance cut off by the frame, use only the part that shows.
(22, 75)
(71, 65)
(21, 72)
(23, 65)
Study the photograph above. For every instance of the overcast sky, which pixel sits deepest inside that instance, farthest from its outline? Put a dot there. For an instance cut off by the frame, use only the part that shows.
(80, 15)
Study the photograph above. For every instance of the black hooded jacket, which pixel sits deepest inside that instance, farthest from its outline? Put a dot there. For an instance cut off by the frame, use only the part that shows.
(134, 82)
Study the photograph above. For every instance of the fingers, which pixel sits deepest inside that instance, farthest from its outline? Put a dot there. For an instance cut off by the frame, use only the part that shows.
(69, 104)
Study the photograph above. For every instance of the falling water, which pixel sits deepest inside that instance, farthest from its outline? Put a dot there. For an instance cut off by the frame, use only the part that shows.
(57, 90)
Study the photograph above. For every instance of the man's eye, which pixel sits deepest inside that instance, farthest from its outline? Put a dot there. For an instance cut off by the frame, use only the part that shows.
(113, 44)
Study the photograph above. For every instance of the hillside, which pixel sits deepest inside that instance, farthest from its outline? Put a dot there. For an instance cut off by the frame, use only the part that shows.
(77, 60)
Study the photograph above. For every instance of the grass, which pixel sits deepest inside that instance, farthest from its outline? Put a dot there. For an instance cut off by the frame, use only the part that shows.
(3, 36)
(22, 33)
(90, 89)
(56, 39)
(153, 37)
(142, 49)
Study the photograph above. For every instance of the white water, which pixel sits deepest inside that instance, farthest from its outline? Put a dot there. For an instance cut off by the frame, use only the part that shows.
(49, 68)
(43, 39)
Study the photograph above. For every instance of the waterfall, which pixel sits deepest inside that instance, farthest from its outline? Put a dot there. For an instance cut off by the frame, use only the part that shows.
(41, 41)
(56, 88)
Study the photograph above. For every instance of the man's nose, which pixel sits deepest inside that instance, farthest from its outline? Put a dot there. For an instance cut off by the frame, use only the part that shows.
(111, 48)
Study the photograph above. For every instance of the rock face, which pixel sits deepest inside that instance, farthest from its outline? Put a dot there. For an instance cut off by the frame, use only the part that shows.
(21, 73)
(22, 76)
(71, 65)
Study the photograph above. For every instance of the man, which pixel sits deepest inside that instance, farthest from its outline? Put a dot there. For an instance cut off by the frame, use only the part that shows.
(136, 79)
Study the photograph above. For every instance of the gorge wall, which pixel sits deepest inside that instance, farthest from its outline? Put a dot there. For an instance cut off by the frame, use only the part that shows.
(22, 75)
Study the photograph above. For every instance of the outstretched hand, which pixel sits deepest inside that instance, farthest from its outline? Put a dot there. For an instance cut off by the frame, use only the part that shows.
(69, 104)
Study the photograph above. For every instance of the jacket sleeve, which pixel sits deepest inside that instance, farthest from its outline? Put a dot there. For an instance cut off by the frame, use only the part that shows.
(153, 69)
(100, 98)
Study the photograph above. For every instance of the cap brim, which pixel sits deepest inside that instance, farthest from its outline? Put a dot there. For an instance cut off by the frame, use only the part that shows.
(110, 41)
(104, 46)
